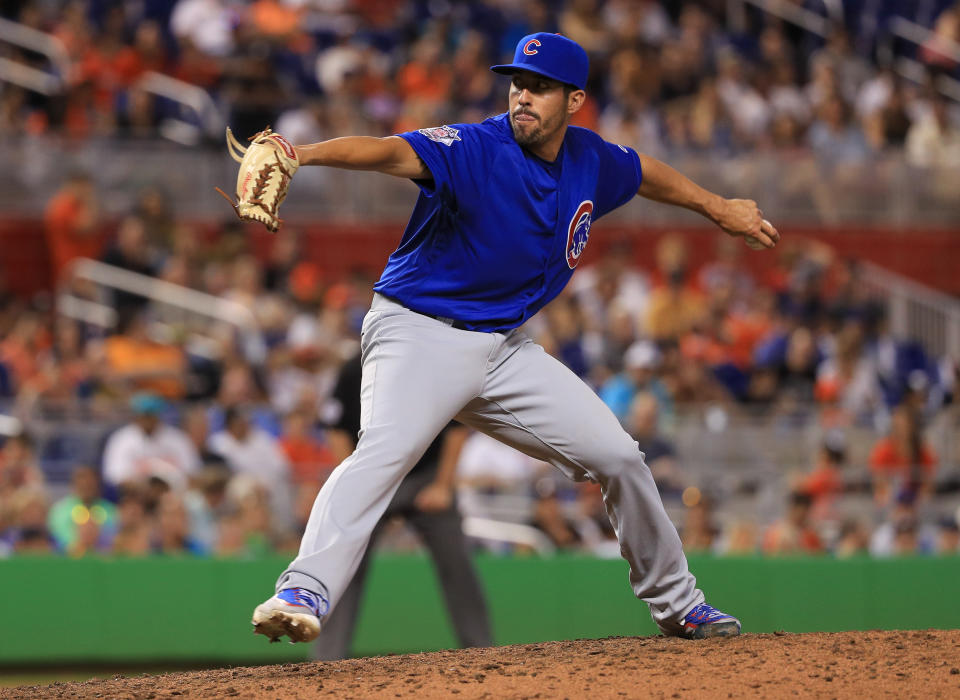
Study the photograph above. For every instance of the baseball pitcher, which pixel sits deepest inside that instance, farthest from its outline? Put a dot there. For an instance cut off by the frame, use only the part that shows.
(503, 217)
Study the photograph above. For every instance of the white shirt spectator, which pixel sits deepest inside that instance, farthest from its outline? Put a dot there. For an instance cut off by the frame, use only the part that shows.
(131, 454)
(258, 455)
(933, 142)
(487, 466)
(485, 459)
(207, 23)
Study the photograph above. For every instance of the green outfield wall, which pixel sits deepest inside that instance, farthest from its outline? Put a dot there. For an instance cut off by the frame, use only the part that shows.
(61, 611)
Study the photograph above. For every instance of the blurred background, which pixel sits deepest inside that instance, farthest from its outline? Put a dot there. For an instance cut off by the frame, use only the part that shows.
(166, 373)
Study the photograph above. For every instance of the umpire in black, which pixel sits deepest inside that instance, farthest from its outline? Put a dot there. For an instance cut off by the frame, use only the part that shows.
(427, 502)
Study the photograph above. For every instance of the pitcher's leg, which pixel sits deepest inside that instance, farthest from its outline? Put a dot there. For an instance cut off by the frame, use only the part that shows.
(534, 403)
(417, 373)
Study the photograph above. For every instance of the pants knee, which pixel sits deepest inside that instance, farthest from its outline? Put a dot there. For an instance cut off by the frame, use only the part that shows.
(620, 459)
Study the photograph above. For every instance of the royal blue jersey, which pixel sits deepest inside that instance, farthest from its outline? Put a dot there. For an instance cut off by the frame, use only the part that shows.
(497, 232)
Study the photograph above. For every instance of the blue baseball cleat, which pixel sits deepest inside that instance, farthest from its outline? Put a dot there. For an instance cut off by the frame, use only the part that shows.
(705, 621)
(295, 612)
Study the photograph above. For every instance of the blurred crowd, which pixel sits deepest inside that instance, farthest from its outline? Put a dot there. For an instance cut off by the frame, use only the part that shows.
(665, 76)
(202, 440)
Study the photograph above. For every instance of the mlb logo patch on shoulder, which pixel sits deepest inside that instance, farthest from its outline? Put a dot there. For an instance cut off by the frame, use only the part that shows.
(442, 134)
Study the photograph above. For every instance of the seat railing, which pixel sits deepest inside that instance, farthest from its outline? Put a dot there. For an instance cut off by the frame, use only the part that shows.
(28, 77)
(186, 301)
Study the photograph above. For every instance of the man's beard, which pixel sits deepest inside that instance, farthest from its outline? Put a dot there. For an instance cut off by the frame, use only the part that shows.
(533, 137)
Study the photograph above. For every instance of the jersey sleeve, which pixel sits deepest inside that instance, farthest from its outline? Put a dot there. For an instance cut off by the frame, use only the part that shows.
(453, 154)
(619, 178)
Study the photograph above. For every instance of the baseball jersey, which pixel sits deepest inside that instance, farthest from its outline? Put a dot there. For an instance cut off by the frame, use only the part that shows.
(497, 231)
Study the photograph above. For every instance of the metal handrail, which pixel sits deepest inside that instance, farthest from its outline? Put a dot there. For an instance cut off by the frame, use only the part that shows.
(912, 69)
(917, 34)
(512, 533)
(941, 335)
(191, 96)
(29, 77)
(33, 39)
(162, 292)
(787, 11)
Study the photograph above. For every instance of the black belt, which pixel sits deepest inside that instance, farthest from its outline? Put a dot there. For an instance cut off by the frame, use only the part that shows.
(452, 322)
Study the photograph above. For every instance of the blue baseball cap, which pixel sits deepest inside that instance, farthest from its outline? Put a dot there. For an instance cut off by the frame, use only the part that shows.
(552, 56)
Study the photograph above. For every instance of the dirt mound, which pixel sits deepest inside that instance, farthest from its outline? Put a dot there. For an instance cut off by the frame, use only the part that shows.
(847, 664)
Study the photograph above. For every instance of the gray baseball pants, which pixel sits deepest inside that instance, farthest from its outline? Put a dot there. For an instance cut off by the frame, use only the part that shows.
(418, 373)
(442, 534)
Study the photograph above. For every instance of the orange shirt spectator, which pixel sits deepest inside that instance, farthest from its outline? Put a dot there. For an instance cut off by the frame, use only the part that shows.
(903, 457)
(673, 311)
(147, 365)
(71, 224)
(823, 482)
(310, 460)
(425, 76)
(273, 19)
(793, 534)
(138, 363)
(888, 458)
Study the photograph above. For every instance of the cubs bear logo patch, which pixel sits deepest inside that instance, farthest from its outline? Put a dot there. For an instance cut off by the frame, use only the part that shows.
(442, 134)
(578, 232)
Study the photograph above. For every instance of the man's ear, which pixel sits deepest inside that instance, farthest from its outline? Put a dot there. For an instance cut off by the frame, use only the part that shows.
(575, 101)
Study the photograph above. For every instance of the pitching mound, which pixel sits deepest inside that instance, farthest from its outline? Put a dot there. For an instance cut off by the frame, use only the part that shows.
(848, 664)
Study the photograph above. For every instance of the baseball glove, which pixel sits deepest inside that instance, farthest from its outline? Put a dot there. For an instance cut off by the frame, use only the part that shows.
(266, 167)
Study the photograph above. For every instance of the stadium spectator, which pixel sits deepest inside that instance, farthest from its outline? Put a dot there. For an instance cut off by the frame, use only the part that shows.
(904, 532)
(948, 541)
(172, 533)
(853, 540)
(66, 370)
(131, 251)
(848, 380)
(254, 452)
(196, 426)
(207, 24)
(21, 349)
(550, 517)
(311, 460)
(135, 361)
(18, 464)
(592, 523)
(206, 503)
(699, 532)
(640, 364)
(824, 483)
(939, 50)
(28, 531)
(83, 521)
(794, 533)
(934, 141)
(675, 306)
(147, 447)
(72, 224)
(134, 531)
(902, 459)
(643, 425)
